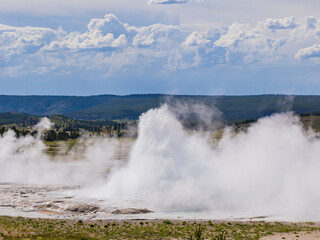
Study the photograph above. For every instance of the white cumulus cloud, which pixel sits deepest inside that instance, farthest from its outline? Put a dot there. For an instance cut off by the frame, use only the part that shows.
(110, 45)
(282, 23)
(309, 52)
(157, 33)
(26, 40)
(107, 32)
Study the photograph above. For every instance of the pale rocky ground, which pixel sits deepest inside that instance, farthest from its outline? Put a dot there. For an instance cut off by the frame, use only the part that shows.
(58, 202)
(55, 202)
(63, 202)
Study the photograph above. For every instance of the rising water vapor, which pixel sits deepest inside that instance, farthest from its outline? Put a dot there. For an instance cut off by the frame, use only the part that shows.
(24, 160)
(272, 169)
(195, 115)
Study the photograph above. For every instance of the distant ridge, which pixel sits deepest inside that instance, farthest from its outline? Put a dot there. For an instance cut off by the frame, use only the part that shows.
(108, 107)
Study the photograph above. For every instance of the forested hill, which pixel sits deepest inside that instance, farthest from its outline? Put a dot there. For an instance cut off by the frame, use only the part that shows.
(107, 107)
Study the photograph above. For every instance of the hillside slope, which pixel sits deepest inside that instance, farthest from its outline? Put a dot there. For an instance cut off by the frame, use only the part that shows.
(107, 107)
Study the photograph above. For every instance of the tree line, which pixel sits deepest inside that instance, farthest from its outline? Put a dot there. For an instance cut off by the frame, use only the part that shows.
(64, 134)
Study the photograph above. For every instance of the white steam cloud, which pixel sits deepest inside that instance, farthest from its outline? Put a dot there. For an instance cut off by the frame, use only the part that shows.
(272, 169)
(44, 125)
(23, 160)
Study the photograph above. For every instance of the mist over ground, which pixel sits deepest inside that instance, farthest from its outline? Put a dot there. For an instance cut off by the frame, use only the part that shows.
(272, 168)
(24, 160)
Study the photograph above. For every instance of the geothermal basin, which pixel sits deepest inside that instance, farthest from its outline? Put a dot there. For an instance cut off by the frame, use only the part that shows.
(268, 172)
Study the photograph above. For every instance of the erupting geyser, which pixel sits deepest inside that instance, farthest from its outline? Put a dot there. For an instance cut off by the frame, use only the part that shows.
(271, 169)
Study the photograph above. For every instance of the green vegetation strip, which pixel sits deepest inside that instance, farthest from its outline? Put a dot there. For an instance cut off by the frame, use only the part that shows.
(27, 228)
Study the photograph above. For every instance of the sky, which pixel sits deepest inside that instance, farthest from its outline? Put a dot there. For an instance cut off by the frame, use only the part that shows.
(197, 47)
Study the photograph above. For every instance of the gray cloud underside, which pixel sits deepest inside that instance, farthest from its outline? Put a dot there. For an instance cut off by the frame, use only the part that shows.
(110, 45)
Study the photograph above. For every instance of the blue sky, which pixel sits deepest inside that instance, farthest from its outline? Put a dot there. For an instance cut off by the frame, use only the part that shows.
(230, 47)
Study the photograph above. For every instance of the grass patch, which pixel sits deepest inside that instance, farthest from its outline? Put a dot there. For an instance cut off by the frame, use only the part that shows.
(26, 228)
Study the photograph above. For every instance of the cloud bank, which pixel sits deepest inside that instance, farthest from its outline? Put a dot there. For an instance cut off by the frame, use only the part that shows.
(109, 47)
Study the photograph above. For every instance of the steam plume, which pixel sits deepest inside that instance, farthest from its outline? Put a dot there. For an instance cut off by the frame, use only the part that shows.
(23, 160)
(273, 168)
